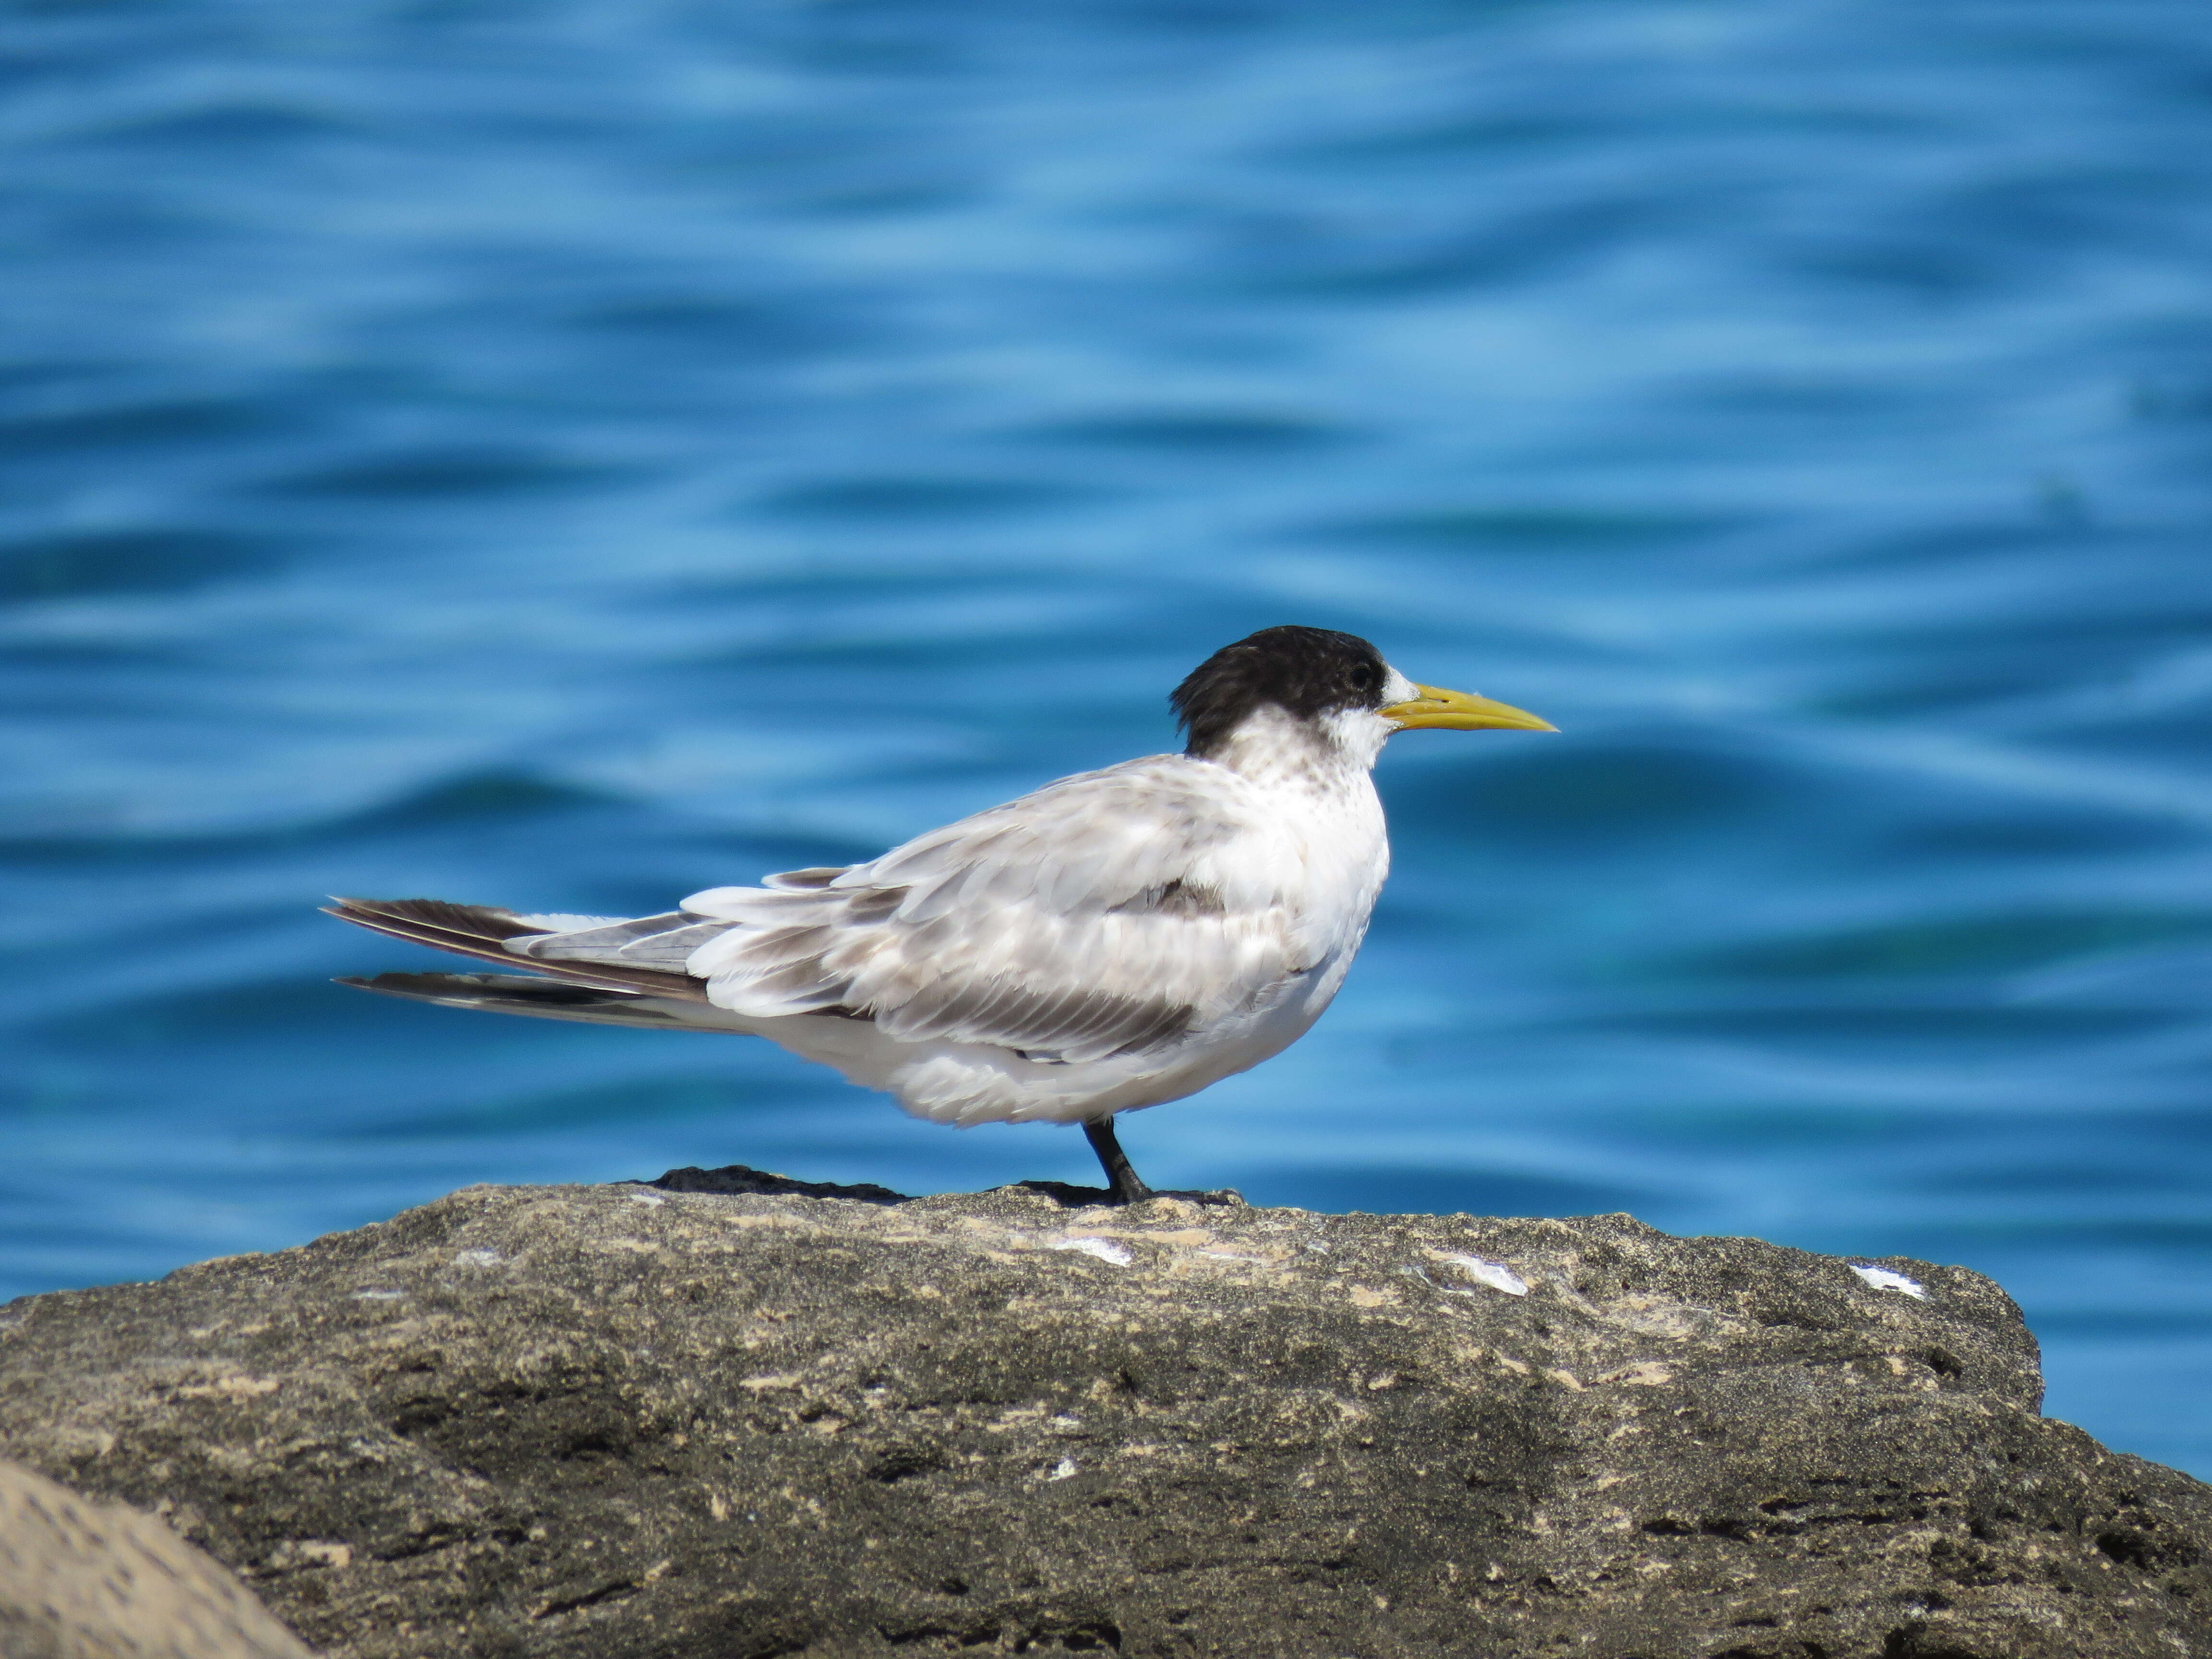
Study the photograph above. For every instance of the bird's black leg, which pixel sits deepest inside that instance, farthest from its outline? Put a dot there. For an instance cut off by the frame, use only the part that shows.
(1124, 1183)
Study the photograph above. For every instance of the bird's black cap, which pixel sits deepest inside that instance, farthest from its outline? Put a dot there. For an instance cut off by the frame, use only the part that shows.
(1304, 672)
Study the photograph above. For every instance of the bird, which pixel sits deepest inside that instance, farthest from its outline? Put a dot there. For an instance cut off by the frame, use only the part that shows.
(1116, 940)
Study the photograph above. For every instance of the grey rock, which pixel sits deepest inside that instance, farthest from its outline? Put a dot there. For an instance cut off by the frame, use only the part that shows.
(82, 1580)
(717, 1419)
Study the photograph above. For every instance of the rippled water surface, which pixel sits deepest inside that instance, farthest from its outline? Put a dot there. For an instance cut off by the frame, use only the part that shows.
(574, 455)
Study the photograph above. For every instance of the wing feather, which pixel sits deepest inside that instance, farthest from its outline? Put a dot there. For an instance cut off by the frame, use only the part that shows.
(1088, 920)
(1102, 915)
(820, 875)
(666, 942)
(494, 935)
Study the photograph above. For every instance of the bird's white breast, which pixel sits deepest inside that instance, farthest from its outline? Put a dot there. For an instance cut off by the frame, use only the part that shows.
(1311, 841)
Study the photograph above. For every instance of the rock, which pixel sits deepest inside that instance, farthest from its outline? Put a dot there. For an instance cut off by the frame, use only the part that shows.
(716, 1419)
(81, 1580)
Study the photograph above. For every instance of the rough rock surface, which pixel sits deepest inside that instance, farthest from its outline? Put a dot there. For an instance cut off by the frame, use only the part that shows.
(605, 1422)
(81, 1580)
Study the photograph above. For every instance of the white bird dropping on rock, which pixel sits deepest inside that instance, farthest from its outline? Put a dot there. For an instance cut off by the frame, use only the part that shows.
(1883, 1280)
(1104, 1248)
(1496, 1274)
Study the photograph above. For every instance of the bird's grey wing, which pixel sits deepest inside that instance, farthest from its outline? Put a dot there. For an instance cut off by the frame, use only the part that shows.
(497, 935)
(660, 944)
(549, 998)
(1095, 917)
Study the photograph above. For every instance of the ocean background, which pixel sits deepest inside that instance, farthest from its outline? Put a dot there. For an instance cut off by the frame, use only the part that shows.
(571, 455)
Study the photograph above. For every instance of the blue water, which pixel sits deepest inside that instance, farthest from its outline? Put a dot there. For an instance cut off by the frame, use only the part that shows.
(573, 455)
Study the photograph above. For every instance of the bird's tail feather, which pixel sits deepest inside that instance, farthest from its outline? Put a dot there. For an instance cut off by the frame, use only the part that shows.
(481, 930)
(546, 999)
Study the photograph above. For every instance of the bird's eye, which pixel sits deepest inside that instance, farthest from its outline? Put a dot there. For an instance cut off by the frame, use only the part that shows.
(1363, 679)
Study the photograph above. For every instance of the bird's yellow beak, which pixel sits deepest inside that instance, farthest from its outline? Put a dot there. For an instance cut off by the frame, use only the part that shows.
(1461, 711)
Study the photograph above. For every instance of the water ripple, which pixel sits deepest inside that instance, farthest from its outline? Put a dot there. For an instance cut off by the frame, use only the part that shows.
(574, 455)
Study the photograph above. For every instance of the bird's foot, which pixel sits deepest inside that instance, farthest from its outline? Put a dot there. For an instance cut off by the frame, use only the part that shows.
(1090, 1198)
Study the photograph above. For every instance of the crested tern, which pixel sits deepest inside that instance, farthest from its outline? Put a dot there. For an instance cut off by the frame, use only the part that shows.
(1117, 940)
